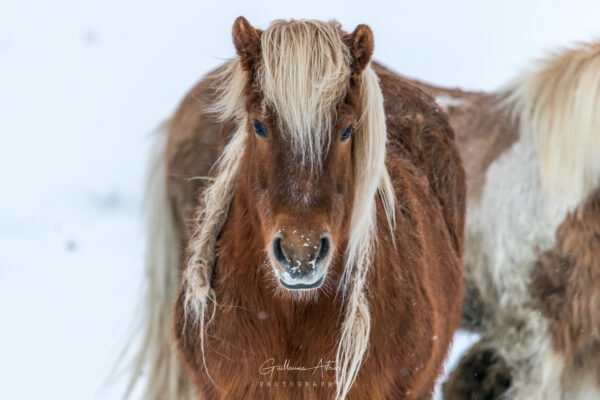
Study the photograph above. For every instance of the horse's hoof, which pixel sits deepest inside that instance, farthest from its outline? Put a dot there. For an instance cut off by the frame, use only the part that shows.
(482, 374)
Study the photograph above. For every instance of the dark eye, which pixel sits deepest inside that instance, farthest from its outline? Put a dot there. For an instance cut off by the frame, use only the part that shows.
(259, 129)
(347, 133)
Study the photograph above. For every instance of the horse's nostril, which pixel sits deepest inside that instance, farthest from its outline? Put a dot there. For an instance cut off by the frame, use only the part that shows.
(278, 253)
(323, 250)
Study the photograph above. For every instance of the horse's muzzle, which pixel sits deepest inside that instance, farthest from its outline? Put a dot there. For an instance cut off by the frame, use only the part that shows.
(300, 261)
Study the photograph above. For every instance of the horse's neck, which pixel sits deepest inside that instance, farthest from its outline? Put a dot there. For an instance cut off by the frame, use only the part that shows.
(240, 252)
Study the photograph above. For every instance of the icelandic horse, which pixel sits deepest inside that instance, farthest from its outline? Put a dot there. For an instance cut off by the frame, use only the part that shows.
(532, 239)
(306, 238)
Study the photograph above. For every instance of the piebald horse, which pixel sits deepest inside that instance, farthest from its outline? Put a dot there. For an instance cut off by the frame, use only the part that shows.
(307, 227)
(532, 244)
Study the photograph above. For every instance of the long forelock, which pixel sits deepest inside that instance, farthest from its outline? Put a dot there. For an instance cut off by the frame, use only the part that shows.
(303, 75)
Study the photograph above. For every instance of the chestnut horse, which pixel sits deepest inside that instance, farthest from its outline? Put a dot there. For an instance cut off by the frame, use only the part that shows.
(532, 244)
(320, 199)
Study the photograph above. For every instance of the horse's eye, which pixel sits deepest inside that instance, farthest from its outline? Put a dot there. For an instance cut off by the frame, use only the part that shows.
(347, 133)
(259, 128)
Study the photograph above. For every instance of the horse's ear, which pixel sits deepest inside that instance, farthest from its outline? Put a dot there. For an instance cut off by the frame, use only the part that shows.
(246, 40)
(360, 44)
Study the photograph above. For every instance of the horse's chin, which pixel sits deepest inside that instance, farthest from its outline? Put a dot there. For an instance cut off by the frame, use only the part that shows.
(301, 284)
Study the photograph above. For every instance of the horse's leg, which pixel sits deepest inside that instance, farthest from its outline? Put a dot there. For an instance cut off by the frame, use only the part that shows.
(481, 371)
(495, 370)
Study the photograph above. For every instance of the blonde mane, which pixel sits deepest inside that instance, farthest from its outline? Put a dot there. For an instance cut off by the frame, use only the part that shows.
(304, 96)
(304, 72)
(558, 107)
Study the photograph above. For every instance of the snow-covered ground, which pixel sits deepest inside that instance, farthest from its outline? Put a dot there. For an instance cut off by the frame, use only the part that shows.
(81, 85)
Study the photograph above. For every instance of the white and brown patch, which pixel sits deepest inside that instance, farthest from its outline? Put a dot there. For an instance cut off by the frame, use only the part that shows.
(566, 286)
(532, 237)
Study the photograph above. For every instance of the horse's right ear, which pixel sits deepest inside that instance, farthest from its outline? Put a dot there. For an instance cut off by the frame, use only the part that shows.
(246, 40)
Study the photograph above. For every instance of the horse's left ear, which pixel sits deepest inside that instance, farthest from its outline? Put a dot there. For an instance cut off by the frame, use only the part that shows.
(246, 40)
(360, 44)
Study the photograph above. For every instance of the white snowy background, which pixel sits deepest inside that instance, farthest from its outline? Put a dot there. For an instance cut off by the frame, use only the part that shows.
(81, 85)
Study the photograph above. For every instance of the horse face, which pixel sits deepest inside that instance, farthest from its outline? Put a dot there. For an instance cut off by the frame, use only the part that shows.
(300, 179)
(303, 208)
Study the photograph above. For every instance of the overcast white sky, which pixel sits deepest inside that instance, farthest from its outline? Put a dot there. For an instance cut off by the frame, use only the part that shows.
(81, 84)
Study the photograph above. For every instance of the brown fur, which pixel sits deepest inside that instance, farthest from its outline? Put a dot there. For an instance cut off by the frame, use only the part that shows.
(414, 287)
(484, 130)
(247, 43)
(566, 283)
